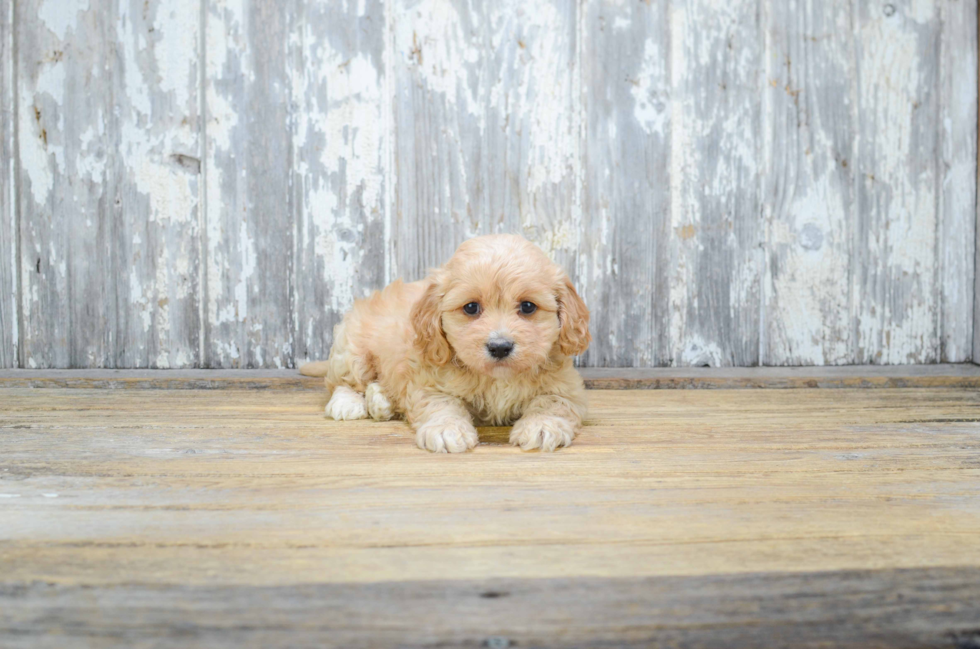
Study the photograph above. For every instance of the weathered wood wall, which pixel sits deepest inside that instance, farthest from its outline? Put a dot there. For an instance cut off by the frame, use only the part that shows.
(730, 182)
(9, 330)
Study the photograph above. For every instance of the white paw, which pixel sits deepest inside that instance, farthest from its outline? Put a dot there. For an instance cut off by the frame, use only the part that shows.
(451, 435)
(345, 404)
(541, 431)
(378, 405)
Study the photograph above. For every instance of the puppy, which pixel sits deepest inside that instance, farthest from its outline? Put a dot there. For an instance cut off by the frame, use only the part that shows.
(487, 339)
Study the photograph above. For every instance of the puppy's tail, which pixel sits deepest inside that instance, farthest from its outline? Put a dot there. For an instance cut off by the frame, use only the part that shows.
(318, 368)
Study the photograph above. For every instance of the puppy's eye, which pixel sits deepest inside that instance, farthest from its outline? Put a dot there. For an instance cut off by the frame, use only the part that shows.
(472, 308)
(527, 308)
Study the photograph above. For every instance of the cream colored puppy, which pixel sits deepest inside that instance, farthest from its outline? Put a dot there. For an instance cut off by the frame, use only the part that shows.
(486, 339)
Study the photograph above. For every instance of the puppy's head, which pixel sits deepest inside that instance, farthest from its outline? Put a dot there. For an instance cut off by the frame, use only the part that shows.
(501, 307)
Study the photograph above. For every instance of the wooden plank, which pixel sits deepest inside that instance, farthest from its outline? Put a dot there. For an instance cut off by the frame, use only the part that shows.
(486, 127)
(782, 518)
(976, 265)
(851, 376)
(883, 608)
(715, 57)
(895, 279)
(958, 191)
(154, 167)
(890, 376)
(809, 179)
(531, 124)
(625, 251)
(249, 207)
(108, 182)
(8, 221)
(340, 177)
(256, 488)
(64, 147)
(498, 117)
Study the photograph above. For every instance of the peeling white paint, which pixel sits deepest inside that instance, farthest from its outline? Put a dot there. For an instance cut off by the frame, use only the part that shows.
(697, 352)
(903, 209)
(431, 36)
(683, 204)
(958, 195)
(34, 159)
(137, 300)
(176, 30)
(59, 15)
(340, 99)
(247, 270)
(228, 250)
(481, 107)
(650, 109)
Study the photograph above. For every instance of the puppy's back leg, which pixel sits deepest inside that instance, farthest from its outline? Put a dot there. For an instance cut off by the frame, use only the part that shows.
(348, 372)
(346, 404)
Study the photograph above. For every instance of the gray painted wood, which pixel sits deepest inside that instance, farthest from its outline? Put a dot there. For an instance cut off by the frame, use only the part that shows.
(809, 178)
(894, 230)
(958, 167)
(8, 227)
(962, 375)
(153, 167)
(920, 607)
(625, 254)
(108, 139)
(65, 104)
(338, 85)
(248, 209)
(486, 127)
(684, 160)
(716, 56)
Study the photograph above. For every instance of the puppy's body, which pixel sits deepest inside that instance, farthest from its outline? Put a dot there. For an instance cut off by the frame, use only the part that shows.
(416, 350)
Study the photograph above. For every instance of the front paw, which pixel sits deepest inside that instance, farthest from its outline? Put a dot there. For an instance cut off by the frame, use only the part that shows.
(345, 404)
(446, 436)
(541, 431)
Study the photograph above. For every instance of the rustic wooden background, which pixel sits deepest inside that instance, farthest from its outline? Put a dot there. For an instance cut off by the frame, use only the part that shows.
(730, 182)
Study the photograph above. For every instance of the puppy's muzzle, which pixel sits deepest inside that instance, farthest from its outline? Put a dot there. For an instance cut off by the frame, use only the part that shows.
(500, 348)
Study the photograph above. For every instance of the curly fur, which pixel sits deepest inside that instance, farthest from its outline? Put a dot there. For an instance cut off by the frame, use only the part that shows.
(417, 354)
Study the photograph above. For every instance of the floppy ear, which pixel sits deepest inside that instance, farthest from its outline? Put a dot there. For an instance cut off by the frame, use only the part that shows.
(573, 316)
(427, 323)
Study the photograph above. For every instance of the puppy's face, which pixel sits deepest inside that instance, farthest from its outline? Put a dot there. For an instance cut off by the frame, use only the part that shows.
(501, 307)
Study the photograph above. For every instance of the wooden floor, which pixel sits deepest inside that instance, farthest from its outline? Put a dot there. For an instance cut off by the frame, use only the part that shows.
(241, 518)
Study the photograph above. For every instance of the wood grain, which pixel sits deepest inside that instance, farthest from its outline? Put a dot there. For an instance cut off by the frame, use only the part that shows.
(485, 126)
(717, 263)
(976, 265)
(153, 165)
(108, 184)
(211, 183)
(809, 175)
(625, 257)
(250, 233)
(842, 517)
(965, 375)
(340, 175)
(9, 309)
(66, 196)
(895, 225)
(881, 608)
(958, 164)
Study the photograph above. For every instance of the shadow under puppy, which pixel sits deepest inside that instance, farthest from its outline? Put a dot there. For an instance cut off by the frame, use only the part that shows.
(486, 339)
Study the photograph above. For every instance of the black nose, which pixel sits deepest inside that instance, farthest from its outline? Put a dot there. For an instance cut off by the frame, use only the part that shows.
(500, 348)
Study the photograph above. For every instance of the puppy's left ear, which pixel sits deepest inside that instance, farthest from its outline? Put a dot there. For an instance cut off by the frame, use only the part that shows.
(573, 315)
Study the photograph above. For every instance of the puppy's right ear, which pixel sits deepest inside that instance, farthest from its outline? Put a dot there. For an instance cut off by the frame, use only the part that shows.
(427, 323)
